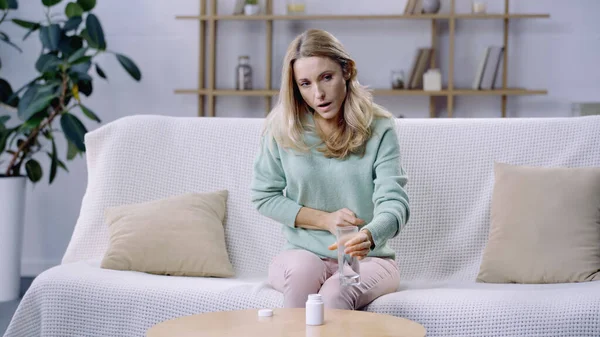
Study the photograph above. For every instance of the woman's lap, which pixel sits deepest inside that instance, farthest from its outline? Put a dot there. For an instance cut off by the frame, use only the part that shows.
(297, 273)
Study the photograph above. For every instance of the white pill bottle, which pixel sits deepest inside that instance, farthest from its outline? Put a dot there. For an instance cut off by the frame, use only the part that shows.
(315, 310)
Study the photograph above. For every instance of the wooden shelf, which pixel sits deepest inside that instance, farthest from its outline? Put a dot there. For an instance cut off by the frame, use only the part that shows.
(377, 92)
(209, 18)
(228, 92)
(500, 16)
(498, 92)
(360, 17)
(314, 17)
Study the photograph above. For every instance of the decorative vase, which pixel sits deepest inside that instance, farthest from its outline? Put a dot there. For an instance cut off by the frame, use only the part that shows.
(251, 9)
(431, 6)
(12, 206)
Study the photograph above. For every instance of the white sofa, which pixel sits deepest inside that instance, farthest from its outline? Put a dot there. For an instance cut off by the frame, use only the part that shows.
(450, 168)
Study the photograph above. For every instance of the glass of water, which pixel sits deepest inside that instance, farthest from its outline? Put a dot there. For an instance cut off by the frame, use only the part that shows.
(348, 266)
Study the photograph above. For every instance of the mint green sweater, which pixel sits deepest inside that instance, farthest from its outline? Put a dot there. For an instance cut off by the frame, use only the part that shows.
(372, 186)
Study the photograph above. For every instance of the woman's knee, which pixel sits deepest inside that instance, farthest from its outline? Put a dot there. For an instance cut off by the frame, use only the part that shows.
(297, 266)
(336, 296)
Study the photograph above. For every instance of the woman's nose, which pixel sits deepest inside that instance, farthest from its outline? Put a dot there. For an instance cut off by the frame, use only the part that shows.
(319, 93)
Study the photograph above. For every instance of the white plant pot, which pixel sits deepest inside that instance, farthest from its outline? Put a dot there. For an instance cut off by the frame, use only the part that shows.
(251, 9)
(12, 207)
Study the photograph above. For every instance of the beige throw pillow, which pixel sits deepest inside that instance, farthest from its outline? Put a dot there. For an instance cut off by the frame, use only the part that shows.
(545, 226)
(181, 236)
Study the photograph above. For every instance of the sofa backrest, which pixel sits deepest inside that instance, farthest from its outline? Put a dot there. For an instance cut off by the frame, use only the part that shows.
(449, 163)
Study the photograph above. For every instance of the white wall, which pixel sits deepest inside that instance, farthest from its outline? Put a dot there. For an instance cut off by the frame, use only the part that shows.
(544, 53)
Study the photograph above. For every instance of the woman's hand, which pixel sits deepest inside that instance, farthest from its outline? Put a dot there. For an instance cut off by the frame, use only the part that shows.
(359, 245)
(342, 217)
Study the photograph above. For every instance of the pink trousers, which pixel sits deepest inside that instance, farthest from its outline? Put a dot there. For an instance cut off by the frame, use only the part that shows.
(298, 273)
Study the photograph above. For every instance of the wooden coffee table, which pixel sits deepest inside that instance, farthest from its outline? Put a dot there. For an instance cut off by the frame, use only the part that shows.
(286, 322)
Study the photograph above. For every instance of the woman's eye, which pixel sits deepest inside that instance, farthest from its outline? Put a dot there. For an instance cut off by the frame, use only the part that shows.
(303, 84)
(327, 77)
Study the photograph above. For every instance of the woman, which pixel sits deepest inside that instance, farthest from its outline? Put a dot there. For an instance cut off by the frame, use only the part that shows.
(336, 155)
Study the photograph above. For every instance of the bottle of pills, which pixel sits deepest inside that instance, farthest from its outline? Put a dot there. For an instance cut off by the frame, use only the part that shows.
(315, 310)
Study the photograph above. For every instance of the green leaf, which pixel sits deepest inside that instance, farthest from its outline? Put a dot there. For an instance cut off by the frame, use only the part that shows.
(129, 66)
(3, 4)
(26, 24)
(85, 59)
(47, 62)
(50, 3)
(59, 162)
(5, 90)
(85, 87)
(89, 113)
(50, 36)
(53, 162)
(62, 165)
(73, 10)
(72, 150)
(73, 23)
(4, 134)
(77, 55)
(99, 71)
(81, 68)
(14, 99)
(34, 100)
(31, 31)
(74, 130)
(79, 77)
(34, 170)
(95, 32)
(34, 121)
(6, 39)
(70, 44)
(87, 5)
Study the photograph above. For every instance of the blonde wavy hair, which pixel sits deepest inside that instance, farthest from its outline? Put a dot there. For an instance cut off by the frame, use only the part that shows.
(285, 121)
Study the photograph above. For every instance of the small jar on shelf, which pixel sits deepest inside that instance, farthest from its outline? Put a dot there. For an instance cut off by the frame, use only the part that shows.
(398, 79)
(432, 80)
(243, 73)
(295, 7)
(478, 7)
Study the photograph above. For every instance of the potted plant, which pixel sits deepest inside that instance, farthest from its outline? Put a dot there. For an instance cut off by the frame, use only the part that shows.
(45, 107)
(251, 7)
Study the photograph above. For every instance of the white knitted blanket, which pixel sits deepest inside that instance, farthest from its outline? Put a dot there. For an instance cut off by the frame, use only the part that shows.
(449, 163)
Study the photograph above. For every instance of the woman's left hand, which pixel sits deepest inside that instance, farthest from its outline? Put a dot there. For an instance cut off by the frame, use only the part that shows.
(359, 245)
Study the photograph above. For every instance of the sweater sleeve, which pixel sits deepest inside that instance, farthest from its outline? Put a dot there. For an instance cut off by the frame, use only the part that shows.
(391, 202)
(268, 183)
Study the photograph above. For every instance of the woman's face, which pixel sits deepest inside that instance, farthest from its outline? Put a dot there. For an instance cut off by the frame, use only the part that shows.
(321, 82)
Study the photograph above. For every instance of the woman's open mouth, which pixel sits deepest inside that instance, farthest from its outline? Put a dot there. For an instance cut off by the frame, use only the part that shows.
(324, 105)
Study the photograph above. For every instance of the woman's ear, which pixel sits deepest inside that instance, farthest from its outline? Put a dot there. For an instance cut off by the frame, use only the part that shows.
(348, 70)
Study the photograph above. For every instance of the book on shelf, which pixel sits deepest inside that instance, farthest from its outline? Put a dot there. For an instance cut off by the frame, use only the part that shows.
(419, 65)
(413, 7)
(488, 68)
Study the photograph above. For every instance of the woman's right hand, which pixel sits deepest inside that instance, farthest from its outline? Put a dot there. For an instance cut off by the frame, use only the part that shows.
(342, 217)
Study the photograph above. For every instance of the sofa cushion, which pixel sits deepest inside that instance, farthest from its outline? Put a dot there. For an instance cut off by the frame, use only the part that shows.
(181, 235)
(545, 225)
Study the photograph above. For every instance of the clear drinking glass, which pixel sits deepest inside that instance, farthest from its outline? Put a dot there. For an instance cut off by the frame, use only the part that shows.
(348, 266)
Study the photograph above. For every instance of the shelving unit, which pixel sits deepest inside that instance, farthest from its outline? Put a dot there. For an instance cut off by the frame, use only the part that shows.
(208, 24)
